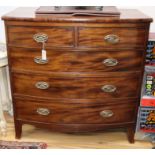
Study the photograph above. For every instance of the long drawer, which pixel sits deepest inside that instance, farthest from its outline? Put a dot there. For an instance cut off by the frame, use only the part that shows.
(68, 112)
(24, 36)
(76, 61)
(112, 37)
(44, 85)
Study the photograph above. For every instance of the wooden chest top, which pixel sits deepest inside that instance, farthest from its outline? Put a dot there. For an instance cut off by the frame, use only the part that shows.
(28, 14)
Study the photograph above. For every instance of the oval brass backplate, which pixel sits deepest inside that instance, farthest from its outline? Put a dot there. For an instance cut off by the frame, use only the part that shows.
(112, 38)
(43, 111)
(39, 60)
(108, 88)
(40, 37)
(106, 113)
(42, 85)
(110, 62)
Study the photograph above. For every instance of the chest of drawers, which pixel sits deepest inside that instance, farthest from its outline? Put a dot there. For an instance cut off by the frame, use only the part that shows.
(92, 78)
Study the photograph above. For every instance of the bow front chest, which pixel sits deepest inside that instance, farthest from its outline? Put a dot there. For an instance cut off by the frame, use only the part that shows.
(88, 76)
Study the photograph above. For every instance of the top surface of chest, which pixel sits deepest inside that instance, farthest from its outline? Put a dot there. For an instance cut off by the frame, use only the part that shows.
(28, 14)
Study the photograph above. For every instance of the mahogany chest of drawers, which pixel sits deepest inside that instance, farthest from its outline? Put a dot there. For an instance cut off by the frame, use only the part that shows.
(92, 77)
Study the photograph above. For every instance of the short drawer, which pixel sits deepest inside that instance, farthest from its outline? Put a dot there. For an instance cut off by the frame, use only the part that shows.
(46, 86)
(76, 61)
(24, 36)
(70, 112)
(112, 37)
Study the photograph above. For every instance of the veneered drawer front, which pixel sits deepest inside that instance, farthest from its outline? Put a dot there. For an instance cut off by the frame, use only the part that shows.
(69, 112)
(123, 37)
(46, 86)
(77, 61)
(57, 36)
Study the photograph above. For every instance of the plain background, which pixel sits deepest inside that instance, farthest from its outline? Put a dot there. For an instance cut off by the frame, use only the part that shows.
(148, 10)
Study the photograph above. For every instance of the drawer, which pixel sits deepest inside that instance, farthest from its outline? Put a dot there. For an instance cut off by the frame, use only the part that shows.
(46, 86)
(76, 61)
(57, 36)
(70, 112)
(112, 37)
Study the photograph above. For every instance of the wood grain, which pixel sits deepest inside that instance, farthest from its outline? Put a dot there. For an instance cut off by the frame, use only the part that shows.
(86, 88)
(128, 38)
(76, 60)
(28, 14)
(75, 113)
(57, 36)
(77, 24)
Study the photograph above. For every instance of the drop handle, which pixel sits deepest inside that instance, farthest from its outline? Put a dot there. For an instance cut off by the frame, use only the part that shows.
(106, 113)
(41, 38)
(112, 39)
(110, 62)
(43, 111)
(42, 85)
(108, 88)
(39, 60)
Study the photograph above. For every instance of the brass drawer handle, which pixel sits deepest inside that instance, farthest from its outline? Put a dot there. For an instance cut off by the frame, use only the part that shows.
(108, 88)
(110, 62)
(42, 85)
(39, 60)
(106, 113)
(43, 111)
(112, 38)
(40, 37)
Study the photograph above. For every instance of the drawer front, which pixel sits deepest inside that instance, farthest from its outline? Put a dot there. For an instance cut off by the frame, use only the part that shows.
(91, 88)
(68, 112)
(112, 37)
(76, 61)
(57, 36)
